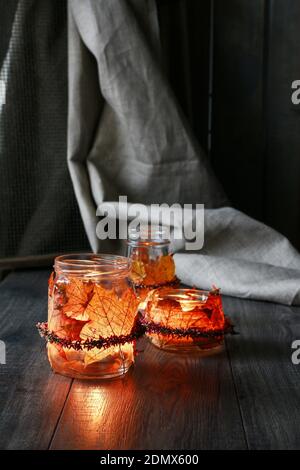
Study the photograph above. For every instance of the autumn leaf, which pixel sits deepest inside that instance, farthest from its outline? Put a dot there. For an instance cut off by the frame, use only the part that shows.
(51, 284)
(154, 271)
(109, 314)
(59, 348)
(173, 313)
(137, 272)
(164, 269)
(63, 326)
(78, 294)
(96, 355)
(214, 305)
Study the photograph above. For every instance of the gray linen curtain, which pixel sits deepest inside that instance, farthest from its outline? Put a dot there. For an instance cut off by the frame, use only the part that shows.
(126, 136)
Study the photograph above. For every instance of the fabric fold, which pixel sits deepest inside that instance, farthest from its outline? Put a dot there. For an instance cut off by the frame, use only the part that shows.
(126, 133)
(240, 278)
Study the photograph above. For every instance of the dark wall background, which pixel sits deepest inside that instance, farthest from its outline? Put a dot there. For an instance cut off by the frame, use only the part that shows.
(36, 193)
(231, 64)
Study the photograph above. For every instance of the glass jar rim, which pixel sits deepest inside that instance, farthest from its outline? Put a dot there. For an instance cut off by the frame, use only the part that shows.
(180, 294)
(92, 264)
(148, 235)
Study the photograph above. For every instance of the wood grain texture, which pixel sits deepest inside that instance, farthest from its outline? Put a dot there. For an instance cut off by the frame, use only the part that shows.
(266, 380)
(245, 397)
(31, 396)
(167, 401)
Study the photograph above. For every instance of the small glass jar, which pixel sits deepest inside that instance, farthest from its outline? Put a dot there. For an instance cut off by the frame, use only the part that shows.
(152, 264)
(185, 320)
(91, 300)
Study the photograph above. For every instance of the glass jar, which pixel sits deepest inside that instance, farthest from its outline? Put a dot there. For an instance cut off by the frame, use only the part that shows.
(91, 315)
(185, 320)
(152, 264)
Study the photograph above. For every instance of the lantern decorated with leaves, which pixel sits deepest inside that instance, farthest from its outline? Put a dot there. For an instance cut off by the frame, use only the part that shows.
(92, 317)
(185, 320)
(152, 263)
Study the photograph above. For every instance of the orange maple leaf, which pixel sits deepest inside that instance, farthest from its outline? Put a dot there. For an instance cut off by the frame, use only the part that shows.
(63, 326)
(110, 314)
(153, 272)
(78, 294)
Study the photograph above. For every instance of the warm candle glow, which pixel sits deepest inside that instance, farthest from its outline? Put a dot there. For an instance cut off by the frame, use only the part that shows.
(188, 301)
(89, 304)
(178, 312)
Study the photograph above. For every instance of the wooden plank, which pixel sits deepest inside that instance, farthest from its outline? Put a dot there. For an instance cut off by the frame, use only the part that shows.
(266, 380)
(23, 262)
(238, 141)
(283, 119)
(167, 401)
(31, 396)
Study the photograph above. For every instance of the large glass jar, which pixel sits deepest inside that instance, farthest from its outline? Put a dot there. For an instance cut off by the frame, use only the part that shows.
(91, 316)
(152, 264)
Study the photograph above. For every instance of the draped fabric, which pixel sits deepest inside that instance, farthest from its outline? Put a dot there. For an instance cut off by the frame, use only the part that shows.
(125, 136)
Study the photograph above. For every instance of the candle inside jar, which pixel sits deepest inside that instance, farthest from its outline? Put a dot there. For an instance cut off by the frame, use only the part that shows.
(84, 306)
(181, 310)
(189, 301)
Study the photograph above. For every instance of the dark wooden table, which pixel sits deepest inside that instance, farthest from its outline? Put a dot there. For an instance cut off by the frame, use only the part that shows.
(246, 397)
